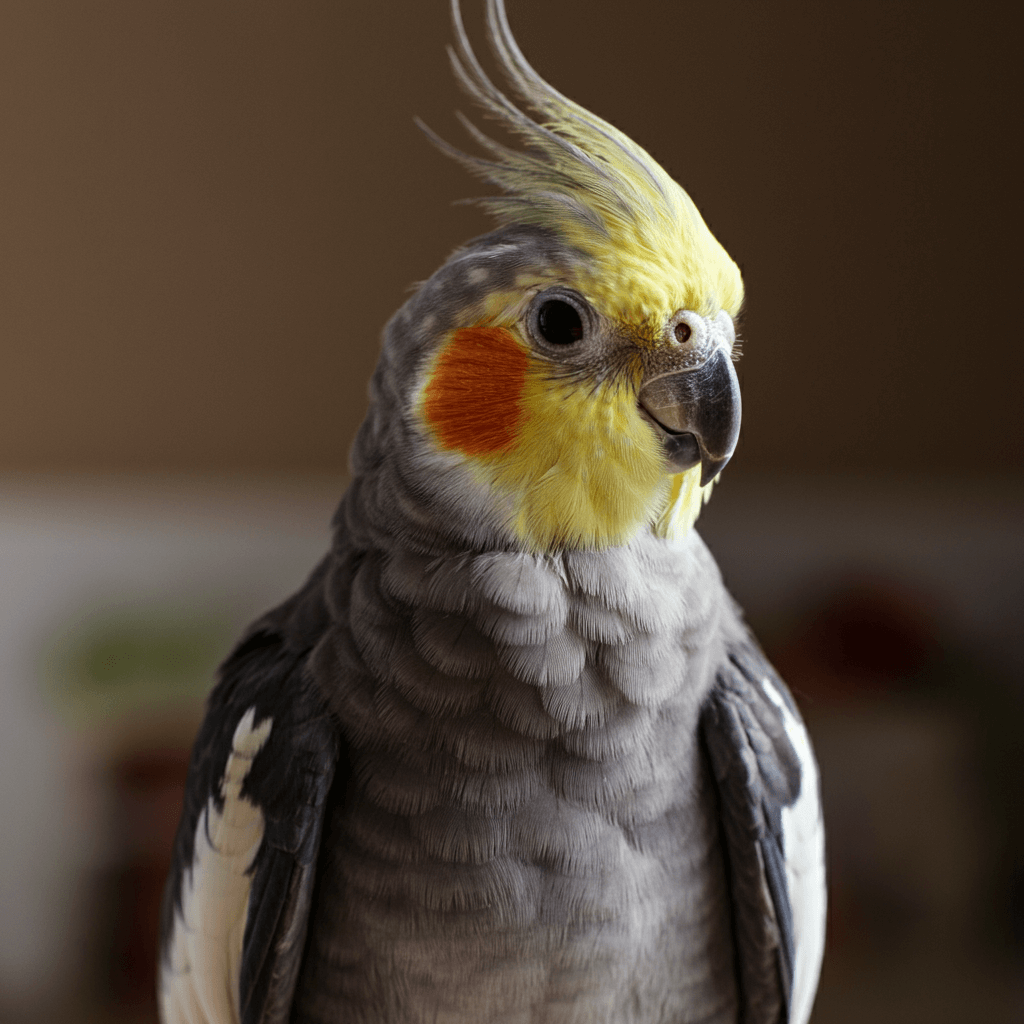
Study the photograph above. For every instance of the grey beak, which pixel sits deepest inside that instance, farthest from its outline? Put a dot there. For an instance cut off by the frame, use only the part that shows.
(697, 413)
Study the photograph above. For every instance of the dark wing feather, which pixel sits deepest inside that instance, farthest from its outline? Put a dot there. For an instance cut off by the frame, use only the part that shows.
(288, 782)
(771, 822)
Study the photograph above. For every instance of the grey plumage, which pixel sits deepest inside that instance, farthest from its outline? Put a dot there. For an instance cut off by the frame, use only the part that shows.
(534, 833)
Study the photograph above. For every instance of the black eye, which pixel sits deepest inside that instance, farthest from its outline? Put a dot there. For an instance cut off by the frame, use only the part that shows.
(559, 323)
(683, 332)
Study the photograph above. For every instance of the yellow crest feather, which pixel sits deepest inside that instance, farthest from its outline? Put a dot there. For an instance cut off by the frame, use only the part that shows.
(648, 246)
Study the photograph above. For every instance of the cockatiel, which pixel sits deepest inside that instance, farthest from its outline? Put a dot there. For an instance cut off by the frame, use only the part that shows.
(511, 754)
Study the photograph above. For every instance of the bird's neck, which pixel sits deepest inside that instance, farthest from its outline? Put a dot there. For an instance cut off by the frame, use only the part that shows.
(491, 663)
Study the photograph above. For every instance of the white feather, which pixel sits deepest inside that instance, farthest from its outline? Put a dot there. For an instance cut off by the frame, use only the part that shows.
(200, 973)
(803, 838)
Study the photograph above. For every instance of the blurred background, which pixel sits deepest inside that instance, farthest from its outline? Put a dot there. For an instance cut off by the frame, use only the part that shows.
(208, 212)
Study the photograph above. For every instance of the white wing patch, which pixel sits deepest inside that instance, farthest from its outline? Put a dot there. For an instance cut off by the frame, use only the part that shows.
(199, 976)
(803, 844)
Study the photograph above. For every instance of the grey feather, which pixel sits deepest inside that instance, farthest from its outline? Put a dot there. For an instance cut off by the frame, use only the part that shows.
(540, 802)
(758, 773)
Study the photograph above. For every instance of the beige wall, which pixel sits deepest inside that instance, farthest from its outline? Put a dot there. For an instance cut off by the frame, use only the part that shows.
(208, 210)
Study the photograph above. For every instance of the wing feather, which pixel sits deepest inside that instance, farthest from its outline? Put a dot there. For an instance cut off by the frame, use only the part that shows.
(236, 906)
(770, 807)
(804, 855)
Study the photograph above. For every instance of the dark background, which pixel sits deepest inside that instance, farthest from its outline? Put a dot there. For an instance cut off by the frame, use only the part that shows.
(208, 212)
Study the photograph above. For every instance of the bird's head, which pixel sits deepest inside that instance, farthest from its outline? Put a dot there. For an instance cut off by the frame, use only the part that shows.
(577, 364)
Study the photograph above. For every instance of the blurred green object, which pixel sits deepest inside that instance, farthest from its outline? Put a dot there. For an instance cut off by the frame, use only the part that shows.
(138, 660)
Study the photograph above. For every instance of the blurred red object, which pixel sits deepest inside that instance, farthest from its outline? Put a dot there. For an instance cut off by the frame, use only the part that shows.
(869, 636)
(148, 788)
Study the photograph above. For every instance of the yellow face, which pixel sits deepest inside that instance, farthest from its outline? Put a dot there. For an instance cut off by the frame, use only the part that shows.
(540, 399)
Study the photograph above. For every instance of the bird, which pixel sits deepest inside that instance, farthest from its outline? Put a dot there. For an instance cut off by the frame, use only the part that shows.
(511, 753)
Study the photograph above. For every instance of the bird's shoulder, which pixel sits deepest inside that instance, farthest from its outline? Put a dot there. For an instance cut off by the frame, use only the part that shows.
(236, 905)
(770, 807)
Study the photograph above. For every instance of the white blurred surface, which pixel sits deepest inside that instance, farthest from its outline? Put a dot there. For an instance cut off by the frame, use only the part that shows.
(71, 549)
(782, 542)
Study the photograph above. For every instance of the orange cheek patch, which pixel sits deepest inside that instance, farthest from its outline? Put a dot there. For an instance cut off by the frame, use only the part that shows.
(473, 400)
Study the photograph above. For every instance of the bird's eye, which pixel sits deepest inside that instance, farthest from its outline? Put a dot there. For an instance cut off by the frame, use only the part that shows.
(683, 332)
(559, 323)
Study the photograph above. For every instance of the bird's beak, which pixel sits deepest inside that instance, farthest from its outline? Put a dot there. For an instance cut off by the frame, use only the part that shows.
(697, 414)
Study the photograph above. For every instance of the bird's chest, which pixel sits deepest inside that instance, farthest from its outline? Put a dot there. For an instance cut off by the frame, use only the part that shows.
(552, 912)
(530, 832)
